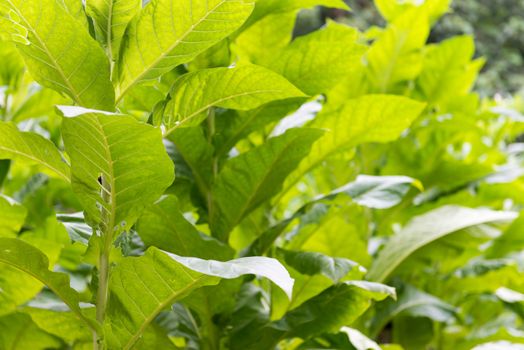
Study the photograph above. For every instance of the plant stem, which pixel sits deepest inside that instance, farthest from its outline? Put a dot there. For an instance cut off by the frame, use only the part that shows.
(104, 263)
(210, 133)
(3, 111)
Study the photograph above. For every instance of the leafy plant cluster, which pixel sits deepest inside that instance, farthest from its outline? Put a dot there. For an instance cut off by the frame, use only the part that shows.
(187, 175)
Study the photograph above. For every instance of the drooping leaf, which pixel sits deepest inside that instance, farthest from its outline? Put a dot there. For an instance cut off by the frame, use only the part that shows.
(163, 226)
(427, 228)
(119, 165)
(33, 148)
(168, 33)
(316, 62)
(311, 263)
(111, 18)
(242, 88)
(370, 118)
(379, 192)
(138, 295)
(29, 260)
(248, 180)
(69, 61)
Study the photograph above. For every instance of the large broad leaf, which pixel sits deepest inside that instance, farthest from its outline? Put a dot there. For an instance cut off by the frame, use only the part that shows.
(119, 165)
(69, 61)
(248, 180)
(370, 118)
(28, 259)
(12, 217)
(428, 228)
(316, 62)
(31, 147)
(168, 33)
(143, 287)
(163, 226)
(111, 18)
(241, 88)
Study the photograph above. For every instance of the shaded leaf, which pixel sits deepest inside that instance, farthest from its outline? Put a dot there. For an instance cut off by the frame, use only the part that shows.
(248, 180)
(427, 228)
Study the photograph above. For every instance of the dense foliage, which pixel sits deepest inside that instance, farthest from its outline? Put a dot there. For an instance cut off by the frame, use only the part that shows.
(189, 175)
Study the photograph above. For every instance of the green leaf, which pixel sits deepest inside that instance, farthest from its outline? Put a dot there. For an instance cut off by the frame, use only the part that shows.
(414, 303)
(31, 147)
(427, 228)
(359, 340)
(240, 125)
(29, 260)
(370, 118)
(395, 56)
(311, 263)
(327, 312)
(76, 9)
(262, 40)
(242, 88)
(448, 70)
(62, 324)
(168, 33)
(267, 7)
(138, 296)
(337, 306)
(69, 61)
(19, 332)
(499, 345)
(316, 62)
(254, 177)
(111, 18)
(12, 217)
(379, 192)
(163, 226)
(119, 165)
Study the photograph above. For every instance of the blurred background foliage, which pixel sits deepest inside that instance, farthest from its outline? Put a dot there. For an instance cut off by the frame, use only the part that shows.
(497, 26)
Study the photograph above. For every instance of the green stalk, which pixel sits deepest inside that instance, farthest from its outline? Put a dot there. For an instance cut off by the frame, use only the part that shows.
(104, 263)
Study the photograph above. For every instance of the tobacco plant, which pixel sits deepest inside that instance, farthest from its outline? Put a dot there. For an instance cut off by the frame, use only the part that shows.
(188, 175)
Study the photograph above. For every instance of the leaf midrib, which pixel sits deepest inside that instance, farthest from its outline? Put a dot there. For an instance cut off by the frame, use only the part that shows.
(166, 53)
